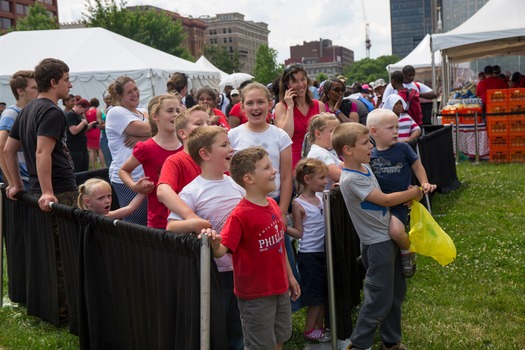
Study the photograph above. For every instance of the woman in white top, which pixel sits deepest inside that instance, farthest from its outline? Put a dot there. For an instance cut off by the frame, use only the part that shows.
(126, 123)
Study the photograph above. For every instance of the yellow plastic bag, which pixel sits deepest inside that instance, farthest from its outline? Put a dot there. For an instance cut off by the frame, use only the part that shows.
(428, 238)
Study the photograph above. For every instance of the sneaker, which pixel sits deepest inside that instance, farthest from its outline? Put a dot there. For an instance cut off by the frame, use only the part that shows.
(317, 336)
(408, 264)
(398, 346)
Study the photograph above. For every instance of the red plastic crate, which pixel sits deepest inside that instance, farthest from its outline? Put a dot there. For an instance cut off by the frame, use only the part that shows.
(516, 95)
(448, 119)
(498, 108)
(517, 155)
(497, 96)
(498, 125)
(516, 124)
(498, 141)
(499, 154)
(517, 140)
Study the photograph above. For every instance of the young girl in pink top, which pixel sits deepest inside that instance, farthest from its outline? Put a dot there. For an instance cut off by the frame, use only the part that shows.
(152, 153)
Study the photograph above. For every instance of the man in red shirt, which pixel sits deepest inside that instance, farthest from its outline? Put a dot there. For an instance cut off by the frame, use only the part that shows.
(490, 82)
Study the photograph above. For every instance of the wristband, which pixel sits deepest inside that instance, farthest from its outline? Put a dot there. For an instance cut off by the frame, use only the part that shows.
(337, 112)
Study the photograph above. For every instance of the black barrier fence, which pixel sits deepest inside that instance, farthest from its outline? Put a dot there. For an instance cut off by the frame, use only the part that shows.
(133, 287)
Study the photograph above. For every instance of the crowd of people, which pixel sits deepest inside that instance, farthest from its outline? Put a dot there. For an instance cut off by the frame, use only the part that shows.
(245, 166)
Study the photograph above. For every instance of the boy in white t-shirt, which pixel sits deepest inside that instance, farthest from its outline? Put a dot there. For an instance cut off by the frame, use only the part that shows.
(212, 196)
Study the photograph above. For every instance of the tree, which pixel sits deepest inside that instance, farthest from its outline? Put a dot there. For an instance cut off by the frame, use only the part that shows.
(38, 18)
(266, 67)
(321, 77)
(145, 25)
(222, 59)
(368, 69)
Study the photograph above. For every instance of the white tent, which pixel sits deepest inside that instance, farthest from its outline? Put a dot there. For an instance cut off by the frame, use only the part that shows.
(96, 57)
(498, 28)
(203, 62)
(421, 59)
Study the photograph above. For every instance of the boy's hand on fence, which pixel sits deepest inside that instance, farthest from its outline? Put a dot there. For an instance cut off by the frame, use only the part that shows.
(45, 199)
(215, 238)
(428, 187)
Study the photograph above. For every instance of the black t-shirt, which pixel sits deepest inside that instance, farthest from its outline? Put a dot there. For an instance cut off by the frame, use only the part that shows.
(42, 117)
(76, 142)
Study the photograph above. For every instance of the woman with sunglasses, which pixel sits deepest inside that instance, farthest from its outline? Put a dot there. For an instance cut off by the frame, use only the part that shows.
(296, 106)
(206, 96)
(332, 96)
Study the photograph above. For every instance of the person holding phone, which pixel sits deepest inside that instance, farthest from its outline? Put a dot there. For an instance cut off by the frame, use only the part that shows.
(332, 96)
(296, 106)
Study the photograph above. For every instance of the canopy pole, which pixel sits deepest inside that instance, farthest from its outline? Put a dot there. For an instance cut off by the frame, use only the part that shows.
(434, 84)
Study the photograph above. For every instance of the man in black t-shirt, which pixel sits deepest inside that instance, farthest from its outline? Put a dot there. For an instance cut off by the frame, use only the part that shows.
(40, 129)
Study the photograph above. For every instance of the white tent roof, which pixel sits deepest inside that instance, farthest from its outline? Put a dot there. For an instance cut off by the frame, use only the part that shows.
(203, 62)
(96, 57)
(420, 57)
(498, 28)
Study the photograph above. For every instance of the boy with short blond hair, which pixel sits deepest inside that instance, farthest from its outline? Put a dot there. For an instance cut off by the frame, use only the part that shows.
(392, 163)
(180, 169)
(254, 233)
(212, 196)
(384, 285)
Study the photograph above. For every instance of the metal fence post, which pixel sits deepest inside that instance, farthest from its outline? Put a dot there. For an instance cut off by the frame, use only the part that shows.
(476, 136)
(330, 266)
(205, 293)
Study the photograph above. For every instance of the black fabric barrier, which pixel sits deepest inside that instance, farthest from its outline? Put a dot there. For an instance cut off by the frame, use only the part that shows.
(139, 287)
(437, 155)
(348, 274)
(13, 215)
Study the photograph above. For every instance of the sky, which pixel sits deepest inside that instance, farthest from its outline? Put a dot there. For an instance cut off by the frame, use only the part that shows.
(342, 21)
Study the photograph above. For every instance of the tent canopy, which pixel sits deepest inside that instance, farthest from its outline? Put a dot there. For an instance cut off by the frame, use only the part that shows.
(420, 57)
(203, 62)
(96, 57)
(498, 28)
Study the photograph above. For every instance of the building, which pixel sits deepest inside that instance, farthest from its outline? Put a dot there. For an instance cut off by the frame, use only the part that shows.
(194, 28)
(410, 21)
(321, 57)
(231, 31)
(11, 10)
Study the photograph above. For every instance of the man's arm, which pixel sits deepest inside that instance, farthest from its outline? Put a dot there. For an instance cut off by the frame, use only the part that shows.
(44, 165)
(11, 160)
(4, 134)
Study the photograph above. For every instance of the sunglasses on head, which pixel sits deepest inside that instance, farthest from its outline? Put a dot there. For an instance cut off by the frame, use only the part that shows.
(289, 67)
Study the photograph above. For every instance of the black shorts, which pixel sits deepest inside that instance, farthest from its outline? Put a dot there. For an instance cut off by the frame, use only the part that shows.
(312, 269)
(401, 212)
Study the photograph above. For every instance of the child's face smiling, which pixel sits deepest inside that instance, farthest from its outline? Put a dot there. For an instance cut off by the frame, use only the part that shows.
(264, 175)
(221, 152)
(256, 105)
(318, 181)
(166, 114)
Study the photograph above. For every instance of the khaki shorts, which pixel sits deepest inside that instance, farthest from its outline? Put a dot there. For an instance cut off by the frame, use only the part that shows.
(266, 321)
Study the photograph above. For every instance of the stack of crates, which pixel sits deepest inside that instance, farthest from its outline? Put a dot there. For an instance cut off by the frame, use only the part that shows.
(506, 132)
(517, 125)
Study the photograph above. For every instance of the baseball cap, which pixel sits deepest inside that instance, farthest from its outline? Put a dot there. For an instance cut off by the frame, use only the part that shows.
(234, 92)
(379, 82)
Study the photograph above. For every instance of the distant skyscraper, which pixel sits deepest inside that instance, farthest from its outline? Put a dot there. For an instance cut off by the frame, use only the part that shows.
(456, 12)
(410, 20)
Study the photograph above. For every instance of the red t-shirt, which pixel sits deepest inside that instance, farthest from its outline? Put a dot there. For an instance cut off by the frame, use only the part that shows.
(223, 121)
(152, 157)
(488, 84)
(255, 235)
(237, 111)
(300, 128)
(178, 171)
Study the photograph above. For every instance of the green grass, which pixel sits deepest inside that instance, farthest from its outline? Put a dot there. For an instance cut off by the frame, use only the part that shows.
(477, 302)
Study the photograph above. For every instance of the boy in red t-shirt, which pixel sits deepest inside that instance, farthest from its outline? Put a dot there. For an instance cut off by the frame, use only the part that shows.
(179, 169)
(254, 233)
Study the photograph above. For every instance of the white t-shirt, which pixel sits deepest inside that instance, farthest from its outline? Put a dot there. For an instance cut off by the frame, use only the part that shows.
(117, 120)
(328, 157)
(313, 227)
(389, 90)
(274, 140)
(212, 200)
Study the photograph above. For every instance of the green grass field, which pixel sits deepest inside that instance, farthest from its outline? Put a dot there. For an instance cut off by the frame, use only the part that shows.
(477, 302)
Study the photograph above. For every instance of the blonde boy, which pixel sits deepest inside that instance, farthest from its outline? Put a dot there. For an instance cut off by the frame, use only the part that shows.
(254, 233)
(212, 196)
(384, 285)
(392, 163)
(180, 169)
